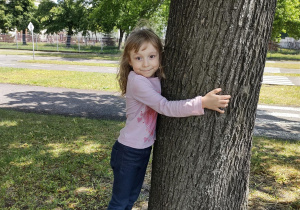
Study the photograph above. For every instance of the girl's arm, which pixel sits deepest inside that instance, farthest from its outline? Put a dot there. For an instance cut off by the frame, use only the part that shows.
(144, 92)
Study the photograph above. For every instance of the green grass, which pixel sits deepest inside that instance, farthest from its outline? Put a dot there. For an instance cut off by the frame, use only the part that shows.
(59, 62)
(57, 162)
(66, 79)
(284, 65)
(282, 74)
(280, 95)
(50, 161)
(275, 174)
(283, 54)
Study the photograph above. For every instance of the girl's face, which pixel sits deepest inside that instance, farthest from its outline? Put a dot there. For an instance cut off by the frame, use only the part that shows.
(145, 62)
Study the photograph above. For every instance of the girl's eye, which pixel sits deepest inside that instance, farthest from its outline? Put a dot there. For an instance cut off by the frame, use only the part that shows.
(138, 58)
(152, 56)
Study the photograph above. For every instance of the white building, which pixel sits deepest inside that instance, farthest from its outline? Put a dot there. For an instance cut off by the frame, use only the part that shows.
(289, 43)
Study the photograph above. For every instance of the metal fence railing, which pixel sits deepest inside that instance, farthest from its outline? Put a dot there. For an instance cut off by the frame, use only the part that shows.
(57, 42)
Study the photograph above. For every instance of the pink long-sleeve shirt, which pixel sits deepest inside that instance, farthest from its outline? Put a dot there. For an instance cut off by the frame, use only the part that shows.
(143, 102)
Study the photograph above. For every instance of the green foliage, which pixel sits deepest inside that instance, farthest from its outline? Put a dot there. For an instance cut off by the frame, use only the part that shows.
(123, 14)
(133, 11)
(20, 13)
(5, 17)
(46, 16)
(159, 19)
(103, 16)
(66, 14)
(287, 19)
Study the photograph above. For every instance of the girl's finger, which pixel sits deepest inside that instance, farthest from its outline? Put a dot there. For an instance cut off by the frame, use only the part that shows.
(220, 110)
(224, 105)
(225, 96)
(217, 90)
(224, 101)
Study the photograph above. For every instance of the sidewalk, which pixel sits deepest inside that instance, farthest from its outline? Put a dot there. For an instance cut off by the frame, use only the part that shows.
(282, 80)
(63, 101)
(271, 121)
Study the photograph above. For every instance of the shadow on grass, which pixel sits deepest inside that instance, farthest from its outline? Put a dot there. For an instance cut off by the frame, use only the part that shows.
(50, 161)
(275, 172)
(90, 105)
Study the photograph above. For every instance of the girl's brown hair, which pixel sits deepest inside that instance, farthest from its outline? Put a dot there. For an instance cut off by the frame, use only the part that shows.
(135, 40)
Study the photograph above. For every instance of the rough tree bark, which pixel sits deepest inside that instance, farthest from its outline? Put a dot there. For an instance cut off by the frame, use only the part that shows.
(204, 162)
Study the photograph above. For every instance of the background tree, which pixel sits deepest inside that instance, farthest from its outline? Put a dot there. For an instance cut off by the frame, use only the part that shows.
(203, 162)
(21, 13)
(132, 11)
(104, 15)
(122, 14)
(287, 19)
(159, 19)
(5, 17)
(70, 15)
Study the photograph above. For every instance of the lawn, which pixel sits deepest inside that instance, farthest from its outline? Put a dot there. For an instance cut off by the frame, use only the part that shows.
(282, 74)
(284, 65)
(284, 54)
(58, 162)
(280, 95)
(67, 79)
(52, 162)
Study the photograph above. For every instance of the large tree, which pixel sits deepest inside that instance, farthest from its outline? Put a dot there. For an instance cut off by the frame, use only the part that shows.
(287, 19)
(122, 14)
(5, 18)
(20, 13)
(104, 15)
(70, 15)
(132, 11)
(159, 19)
(203, 162)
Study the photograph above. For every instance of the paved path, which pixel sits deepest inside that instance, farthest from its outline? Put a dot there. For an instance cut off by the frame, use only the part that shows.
(14, 61)
(73, 102)
(272, 121)
(278, 122)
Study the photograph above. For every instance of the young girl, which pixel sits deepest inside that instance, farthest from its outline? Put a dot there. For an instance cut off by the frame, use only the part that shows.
(139, 78)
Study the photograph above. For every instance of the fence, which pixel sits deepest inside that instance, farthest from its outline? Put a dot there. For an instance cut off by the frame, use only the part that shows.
(58, 42)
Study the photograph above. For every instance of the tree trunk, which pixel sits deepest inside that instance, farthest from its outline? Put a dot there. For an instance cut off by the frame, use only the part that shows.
(121, 38)
(69, 37)
(204, 162)
(24, 36)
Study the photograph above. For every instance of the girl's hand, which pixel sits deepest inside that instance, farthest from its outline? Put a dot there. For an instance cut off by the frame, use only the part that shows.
(214, 102)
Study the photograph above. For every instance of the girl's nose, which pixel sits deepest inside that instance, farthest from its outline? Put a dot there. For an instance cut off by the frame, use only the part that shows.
(146, 62)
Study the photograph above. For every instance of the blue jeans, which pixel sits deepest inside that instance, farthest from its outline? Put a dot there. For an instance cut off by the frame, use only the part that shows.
(129, 166)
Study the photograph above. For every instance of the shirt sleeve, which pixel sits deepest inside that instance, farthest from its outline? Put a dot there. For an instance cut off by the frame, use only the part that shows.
(144, 92)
